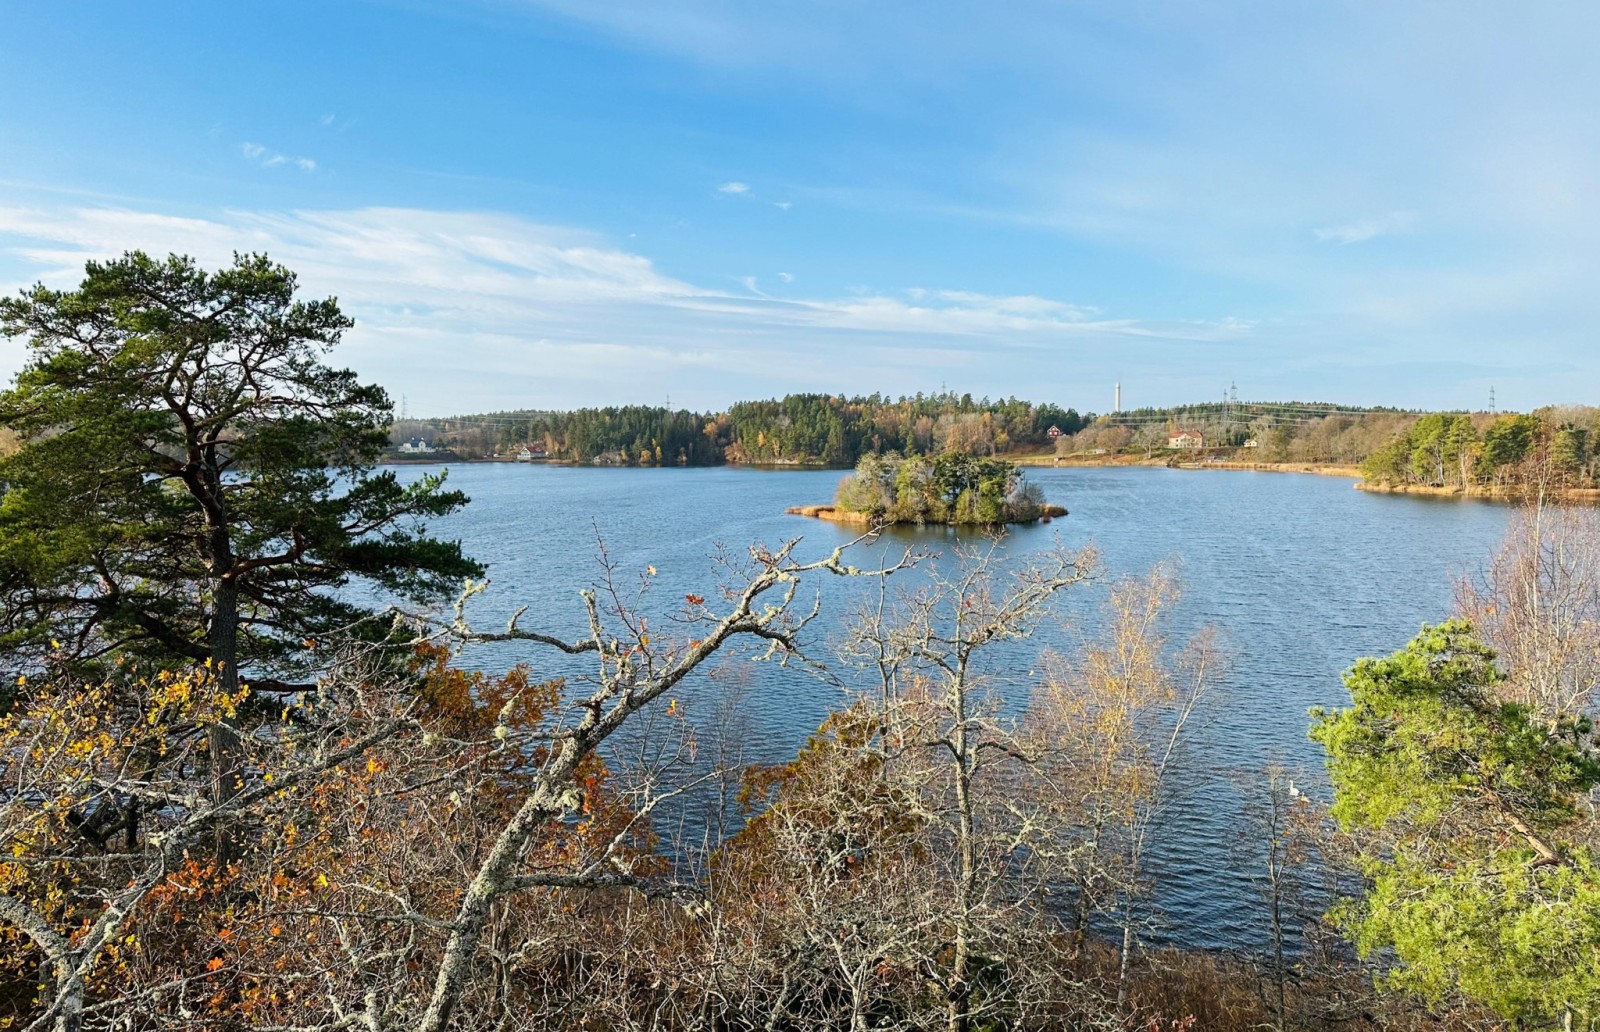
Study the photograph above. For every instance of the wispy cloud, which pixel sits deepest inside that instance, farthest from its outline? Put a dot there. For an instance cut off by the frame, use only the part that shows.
(467, 311)
(734, 187)
(266, 157)
(1397, 222)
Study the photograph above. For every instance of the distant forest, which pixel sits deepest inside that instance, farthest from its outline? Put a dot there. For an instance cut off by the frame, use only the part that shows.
(812, 429)
(1393, 446)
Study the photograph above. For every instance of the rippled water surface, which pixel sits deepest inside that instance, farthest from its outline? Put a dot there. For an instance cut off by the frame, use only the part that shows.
(1298, 574)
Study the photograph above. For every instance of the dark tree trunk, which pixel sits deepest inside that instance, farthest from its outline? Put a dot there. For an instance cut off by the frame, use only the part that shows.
(223, 739)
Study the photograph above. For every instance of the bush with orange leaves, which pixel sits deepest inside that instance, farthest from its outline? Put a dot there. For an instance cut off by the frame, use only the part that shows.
(366, 816)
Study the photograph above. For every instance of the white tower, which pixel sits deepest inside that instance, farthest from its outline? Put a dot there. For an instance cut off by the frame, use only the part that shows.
(1119, 396)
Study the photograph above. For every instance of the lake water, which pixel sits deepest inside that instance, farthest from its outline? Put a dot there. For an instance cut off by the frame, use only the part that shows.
(1299, 575)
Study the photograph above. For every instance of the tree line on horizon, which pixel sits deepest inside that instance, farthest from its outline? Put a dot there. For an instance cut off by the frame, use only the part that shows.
(798, 428)
(838, 430)
(1391, 446)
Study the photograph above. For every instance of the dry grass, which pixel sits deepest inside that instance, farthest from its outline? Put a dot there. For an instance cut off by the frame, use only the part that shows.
(829, 512)
(835, 514)
(1219, 994)
(1496, 492)
(1195, 991)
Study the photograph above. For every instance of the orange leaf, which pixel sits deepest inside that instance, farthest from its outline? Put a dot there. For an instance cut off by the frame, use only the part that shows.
(214, 963)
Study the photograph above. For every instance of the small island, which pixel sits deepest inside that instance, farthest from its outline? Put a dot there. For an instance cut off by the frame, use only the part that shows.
(954, 489)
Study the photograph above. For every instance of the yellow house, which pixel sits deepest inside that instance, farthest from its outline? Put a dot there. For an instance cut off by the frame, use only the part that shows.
(1186, 439)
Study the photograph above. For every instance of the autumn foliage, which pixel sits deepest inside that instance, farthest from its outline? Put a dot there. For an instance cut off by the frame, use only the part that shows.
(348, 877)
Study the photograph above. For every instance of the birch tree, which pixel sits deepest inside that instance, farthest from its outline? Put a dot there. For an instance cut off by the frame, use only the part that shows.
(1110, 725)
(1537, 604)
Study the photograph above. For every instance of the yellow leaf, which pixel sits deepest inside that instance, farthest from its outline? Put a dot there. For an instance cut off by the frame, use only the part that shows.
(651, 570)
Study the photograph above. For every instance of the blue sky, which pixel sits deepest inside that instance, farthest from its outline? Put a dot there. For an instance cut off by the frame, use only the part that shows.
(556, 203)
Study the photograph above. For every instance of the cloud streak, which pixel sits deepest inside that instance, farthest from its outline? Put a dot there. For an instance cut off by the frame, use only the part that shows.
(266, 157)
(473, 311)
(1399, 222)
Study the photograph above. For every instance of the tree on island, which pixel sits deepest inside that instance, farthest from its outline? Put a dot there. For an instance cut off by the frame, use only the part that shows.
(193, 483)
(952, 488)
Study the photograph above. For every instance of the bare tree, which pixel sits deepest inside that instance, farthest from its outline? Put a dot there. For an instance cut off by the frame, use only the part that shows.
(1293, 856)
(827, 893)
(1538, 606)
(633, 671)
(955, 757)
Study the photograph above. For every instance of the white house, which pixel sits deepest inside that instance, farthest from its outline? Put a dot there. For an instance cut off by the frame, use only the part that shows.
(1186, 439)
(416, 446)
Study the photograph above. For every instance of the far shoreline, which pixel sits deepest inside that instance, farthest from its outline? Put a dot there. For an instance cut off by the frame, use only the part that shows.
(1169, 460)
